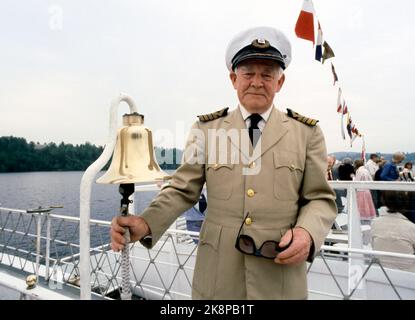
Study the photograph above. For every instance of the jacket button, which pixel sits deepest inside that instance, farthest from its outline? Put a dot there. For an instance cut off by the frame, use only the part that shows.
(250, 193)
(248, 221)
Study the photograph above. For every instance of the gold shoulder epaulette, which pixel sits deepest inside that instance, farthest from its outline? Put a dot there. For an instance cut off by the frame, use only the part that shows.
(214, 115)
(301, 118)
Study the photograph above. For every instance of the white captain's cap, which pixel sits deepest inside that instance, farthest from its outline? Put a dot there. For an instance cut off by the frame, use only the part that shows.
(259, 43)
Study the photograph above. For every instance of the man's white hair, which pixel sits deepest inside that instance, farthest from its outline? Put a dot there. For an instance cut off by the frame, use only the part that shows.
(398, 156)
(278, 69)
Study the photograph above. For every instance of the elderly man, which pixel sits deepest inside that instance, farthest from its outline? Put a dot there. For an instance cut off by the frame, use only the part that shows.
(331, 160)
(390, 170)
(269, 204)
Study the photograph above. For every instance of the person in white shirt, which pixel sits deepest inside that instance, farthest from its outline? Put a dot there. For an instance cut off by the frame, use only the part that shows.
(394, 231)
(362, 174)
(371, 165)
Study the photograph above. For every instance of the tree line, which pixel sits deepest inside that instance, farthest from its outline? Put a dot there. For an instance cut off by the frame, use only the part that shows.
(18, 155)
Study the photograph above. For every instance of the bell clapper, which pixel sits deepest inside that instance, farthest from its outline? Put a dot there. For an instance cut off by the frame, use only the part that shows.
(126, 190)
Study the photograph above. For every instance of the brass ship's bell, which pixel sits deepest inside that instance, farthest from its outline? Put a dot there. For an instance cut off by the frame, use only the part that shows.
(133, 160)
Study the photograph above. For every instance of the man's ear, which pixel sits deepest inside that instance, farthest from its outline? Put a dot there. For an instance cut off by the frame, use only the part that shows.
(280, 83)
(232, 76)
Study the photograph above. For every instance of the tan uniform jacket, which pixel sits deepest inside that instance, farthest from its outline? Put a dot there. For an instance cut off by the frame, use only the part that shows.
(290, 188)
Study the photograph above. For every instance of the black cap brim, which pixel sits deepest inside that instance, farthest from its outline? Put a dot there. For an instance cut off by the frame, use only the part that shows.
(250, 52)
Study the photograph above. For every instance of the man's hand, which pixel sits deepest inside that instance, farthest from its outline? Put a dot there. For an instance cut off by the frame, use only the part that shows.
(137, 226)
(299, 249)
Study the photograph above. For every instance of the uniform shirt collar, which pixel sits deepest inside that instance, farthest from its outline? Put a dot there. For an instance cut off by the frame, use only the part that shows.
(264, 115)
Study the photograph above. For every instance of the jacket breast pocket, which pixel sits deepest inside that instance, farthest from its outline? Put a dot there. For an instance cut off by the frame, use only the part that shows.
(288, 175)
(204, 279)
(219, 179)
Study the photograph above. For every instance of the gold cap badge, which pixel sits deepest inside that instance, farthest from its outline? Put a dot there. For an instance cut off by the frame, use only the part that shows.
(260, 43)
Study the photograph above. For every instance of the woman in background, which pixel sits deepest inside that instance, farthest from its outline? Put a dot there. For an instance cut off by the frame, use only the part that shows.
(394, 231)
(364, 198)
(407, 173)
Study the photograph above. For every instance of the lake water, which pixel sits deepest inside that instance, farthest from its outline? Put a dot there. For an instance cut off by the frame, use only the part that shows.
(33, 189)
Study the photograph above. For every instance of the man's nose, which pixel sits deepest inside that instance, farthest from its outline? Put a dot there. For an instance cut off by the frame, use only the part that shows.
(257, 81)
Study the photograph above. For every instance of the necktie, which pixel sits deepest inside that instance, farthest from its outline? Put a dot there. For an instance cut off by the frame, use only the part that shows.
(253, 130)
(202, 203)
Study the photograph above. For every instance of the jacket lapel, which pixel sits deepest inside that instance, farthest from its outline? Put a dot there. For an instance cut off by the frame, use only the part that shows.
(275, 129)
(235, 121)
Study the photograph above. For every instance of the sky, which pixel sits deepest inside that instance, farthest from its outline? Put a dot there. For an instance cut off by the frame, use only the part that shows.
(62, 63)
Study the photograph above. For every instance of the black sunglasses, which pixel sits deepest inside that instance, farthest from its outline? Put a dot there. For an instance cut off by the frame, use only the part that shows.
(269, 249)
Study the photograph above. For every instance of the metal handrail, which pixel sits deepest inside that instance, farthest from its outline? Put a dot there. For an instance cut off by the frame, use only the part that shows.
(369, 252)
(374, 185)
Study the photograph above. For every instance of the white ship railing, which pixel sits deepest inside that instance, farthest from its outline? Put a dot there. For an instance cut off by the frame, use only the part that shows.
(360, 260)
(47, 244)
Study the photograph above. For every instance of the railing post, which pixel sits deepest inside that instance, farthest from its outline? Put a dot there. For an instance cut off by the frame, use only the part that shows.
(38, 238)
(48, 238)
(355, 266)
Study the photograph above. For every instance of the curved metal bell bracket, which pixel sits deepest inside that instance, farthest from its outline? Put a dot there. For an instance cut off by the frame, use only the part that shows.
(133, 162)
